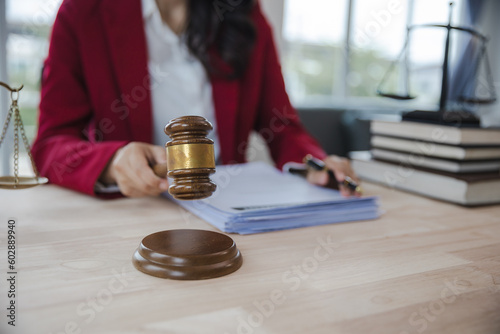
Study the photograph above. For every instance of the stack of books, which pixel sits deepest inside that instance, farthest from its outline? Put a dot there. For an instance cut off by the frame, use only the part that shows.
(459, 165)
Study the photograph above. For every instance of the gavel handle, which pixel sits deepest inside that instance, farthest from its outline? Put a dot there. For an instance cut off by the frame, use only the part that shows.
(160, 170)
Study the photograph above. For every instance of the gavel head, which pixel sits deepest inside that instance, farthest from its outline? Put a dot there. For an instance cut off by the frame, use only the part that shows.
(190, 158)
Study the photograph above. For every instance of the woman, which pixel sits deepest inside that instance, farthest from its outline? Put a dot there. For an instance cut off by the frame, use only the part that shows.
(118, 71)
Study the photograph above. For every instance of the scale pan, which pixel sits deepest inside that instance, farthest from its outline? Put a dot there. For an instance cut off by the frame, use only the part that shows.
(396, 97)
(477, 100)
(9, 182)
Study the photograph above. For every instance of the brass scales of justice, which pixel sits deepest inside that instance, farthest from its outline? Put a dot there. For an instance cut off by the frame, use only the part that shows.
(445, 115)
(15, 181)
(176, 254)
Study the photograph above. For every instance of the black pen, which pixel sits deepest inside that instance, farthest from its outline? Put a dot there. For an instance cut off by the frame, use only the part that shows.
(319, 165)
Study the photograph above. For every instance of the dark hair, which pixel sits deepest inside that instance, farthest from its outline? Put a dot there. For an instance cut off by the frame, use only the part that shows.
(223, 26)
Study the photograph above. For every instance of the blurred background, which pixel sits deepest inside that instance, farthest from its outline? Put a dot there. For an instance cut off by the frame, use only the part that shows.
(334, 55)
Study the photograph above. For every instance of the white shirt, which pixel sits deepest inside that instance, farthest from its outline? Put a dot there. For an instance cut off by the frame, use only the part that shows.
(185, 89)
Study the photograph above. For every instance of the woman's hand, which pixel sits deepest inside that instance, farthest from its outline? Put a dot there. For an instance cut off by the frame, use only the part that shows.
(130, 169)
(341, 168)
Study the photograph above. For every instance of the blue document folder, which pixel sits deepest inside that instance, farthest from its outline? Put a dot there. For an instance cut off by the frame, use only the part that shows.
(255, 197)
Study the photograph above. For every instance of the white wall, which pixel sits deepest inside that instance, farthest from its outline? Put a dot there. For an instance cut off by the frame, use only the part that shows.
(4, 153)
(490, 26)
(273, 9)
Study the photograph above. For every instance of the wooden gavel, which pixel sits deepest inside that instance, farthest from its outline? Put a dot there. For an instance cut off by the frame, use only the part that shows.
(190, 158)
(188, 254)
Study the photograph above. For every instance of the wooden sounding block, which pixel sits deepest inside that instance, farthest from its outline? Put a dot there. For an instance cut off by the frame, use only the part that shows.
(188, 254)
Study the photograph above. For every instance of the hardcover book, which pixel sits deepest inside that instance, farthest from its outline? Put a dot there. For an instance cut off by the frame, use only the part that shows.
(466, 189)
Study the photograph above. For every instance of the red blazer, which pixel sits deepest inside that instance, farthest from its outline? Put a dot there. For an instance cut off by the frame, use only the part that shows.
(95, 95)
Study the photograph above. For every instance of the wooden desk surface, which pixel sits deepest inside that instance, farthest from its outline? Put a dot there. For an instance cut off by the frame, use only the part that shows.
(424, 267)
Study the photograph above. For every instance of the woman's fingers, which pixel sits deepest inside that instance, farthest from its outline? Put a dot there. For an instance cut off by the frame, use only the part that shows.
(132, 172)
(319, 178)
(157, 155)
(341, 169)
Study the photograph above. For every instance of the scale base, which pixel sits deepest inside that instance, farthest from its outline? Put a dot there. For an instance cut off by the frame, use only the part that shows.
(187, 255)
(456, 118)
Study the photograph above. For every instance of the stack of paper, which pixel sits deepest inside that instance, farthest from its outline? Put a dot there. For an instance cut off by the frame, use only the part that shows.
(255, 197)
